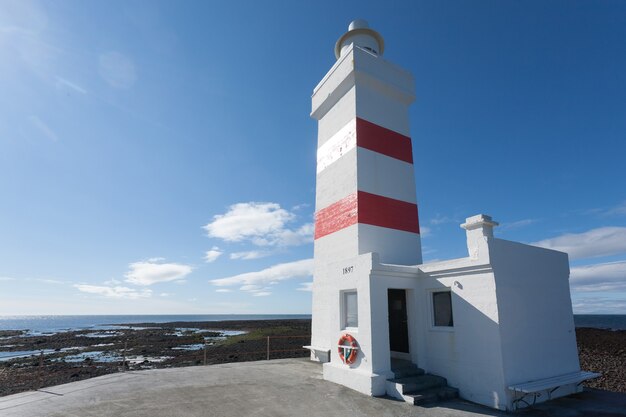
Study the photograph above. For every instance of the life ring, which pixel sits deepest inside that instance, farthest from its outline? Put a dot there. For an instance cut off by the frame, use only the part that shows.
(350, 356)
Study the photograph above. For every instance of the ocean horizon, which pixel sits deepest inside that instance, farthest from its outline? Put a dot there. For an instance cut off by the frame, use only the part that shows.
(59, 323)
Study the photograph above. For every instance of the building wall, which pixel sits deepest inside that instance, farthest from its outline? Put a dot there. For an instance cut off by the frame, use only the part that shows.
(468, 354)
(536, 319)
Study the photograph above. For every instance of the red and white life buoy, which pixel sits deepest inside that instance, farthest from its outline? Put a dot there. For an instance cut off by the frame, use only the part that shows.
(348, 353)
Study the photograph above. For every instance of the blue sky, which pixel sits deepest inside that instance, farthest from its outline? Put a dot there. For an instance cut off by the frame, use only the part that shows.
(158, 157)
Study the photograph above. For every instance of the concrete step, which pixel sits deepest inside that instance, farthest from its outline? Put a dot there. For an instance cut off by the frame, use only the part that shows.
(431, 395)
(407, 372)
(413, 386)
(417, 383)
(403, 368)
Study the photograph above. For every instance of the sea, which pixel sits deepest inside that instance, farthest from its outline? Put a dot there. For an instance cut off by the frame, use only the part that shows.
(55, 324)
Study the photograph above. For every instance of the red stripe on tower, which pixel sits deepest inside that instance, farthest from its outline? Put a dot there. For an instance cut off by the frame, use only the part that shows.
(369, 209)
(337, 216)
(379, 139)
(387, 212)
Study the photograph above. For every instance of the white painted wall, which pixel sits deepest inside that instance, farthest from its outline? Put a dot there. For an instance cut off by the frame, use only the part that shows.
(467, 354)
(536, 319)
(386, 176)
(392, 246)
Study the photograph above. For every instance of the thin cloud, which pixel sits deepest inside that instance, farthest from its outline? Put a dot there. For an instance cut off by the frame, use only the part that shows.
(51, 281)
(610, 276)
(43, 128)
(603, 241)
(117, 69)
(223, 290)
(148, 273)
(213, 254)
(517, 224)
(439, 219)
(7, 279)
(261, 294)
(599, 305)
(253, 254)
(305, 286)
(114, 292)
(280, 272)
(619, 210)
(63, 83)
(262, 224)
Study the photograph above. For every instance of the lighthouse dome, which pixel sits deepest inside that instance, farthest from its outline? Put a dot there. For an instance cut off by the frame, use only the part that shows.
(360, 34)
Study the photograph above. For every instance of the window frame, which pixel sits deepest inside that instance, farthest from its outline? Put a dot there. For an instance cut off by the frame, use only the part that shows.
(431, 298)
(344, 310)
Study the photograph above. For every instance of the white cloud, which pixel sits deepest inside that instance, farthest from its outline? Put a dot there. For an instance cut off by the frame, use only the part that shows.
(263, 224)
(148, 273)
(253, 254)
(609, 276)
(305, 286)
(280, 272)
(7, 279)
(165, 294)
(223, 290)
(425, 231)
(115, 292)
(117, 69)
(603, 241)
(262, 294)
(248, 220)
(213, 254)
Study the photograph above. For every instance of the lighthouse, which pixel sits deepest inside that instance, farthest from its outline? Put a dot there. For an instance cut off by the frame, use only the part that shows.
(383, 322)
(365, 192)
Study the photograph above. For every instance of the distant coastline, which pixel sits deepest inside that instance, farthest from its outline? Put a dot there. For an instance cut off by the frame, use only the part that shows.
(60, 323)
(601, 321)
(63, 323)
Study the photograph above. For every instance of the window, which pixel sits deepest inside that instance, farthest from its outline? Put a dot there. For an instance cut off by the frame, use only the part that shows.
(350, 309)
(442, 309)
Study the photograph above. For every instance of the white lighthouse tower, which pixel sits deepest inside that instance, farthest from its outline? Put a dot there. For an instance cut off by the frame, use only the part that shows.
(365, 199)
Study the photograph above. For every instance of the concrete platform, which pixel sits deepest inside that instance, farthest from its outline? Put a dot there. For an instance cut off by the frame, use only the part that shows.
(288, 387)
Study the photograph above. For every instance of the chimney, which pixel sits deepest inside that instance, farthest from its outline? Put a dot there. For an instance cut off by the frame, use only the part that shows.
(479, 229)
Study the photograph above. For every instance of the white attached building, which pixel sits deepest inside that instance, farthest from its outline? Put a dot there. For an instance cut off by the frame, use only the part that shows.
(497, 325)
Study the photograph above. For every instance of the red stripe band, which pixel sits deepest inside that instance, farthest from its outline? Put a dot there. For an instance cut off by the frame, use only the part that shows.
(379, 139)
(367, 208)
(337, 216)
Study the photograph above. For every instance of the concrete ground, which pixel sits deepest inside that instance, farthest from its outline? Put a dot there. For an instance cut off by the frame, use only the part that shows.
(287, 387)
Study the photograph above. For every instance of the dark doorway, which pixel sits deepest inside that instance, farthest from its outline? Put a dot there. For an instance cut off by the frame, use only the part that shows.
(398, 330)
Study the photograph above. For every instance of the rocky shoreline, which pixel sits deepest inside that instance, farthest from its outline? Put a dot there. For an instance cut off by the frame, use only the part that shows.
(603, 351)
(75, 355)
